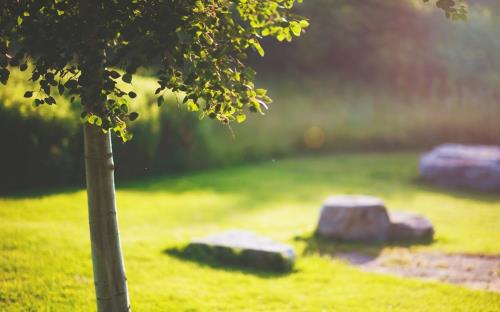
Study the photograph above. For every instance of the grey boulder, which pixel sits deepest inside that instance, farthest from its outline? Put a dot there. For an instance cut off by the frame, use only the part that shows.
(354, 218)
(361, 218)
(475, 167)
(246, 249)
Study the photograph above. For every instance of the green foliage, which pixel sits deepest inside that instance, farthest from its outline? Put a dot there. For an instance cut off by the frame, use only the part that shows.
(199, 47)
(454, 9)
(45, 248)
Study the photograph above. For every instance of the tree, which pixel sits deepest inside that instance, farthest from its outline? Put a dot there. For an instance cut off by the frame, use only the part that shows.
(83, 47)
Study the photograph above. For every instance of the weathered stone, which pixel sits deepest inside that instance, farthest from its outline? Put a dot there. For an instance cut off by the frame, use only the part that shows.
(354, 218)
(467, 166)
(247, 249)
(410, 227)
(365, 219)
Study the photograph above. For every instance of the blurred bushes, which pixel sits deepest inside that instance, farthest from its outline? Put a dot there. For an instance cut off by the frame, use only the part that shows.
(39, 146)
(38, 151)
(44, 146)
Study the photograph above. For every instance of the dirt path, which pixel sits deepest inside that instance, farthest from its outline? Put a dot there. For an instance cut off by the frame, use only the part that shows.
(474, 271)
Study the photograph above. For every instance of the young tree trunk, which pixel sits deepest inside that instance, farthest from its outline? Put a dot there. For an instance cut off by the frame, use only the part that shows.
(109, 270)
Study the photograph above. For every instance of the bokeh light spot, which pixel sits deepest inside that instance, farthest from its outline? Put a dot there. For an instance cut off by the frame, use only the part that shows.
(314, 137)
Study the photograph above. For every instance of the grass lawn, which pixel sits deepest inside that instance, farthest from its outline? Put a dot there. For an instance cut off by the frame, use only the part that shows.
(45, 252)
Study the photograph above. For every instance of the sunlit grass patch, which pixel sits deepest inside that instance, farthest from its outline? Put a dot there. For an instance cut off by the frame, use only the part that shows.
(45, 253)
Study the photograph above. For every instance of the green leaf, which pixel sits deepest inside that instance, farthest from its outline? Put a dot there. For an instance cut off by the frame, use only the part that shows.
(50, 100)
(126, 136)
(35, 76)
(71, 84)
(133, 116)
(281, 36)
(160, 101)
(127, 78)
(132, 94)
(241, 118)
(199, 5)
(114, 74)
(295, 28)
(37, 102)
(28, 94)
(256, 44)
(192, 106)
(124, 108)
(93, 119)
(261, 92)
(304, 24)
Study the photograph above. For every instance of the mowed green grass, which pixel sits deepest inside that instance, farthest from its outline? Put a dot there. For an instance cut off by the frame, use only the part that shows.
(45, 253)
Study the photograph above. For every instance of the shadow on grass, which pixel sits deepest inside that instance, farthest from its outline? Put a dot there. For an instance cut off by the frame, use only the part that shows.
(38, 193)
(230, 261)
(304, 180)
(355, 252)
(299, 180)
(457, 192)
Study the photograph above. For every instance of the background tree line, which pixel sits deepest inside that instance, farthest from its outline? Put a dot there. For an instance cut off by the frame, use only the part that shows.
(364, 64)
(404, 46)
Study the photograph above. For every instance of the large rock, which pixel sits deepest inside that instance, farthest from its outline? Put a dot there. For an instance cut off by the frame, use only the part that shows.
(245, 248)
(354, 218)
(474, 167)
(365, 219)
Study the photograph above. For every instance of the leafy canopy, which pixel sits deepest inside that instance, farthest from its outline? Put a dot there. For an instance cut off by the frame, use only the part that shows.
(199, 48)
(83, 47)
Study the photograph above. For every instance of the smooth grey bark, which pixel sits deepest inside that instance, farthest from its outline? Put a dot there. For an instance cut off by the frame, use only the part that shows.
(109, 270)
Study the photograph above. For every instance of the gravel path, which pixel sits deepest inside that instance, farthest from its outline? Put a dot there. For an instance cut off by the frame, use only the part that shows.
(474, 271)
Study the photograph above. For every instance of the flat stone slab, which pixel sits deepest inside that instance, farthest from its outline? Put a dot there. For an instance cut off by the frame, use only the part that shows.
(475, 167)
(365, 219)
(247, 249)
